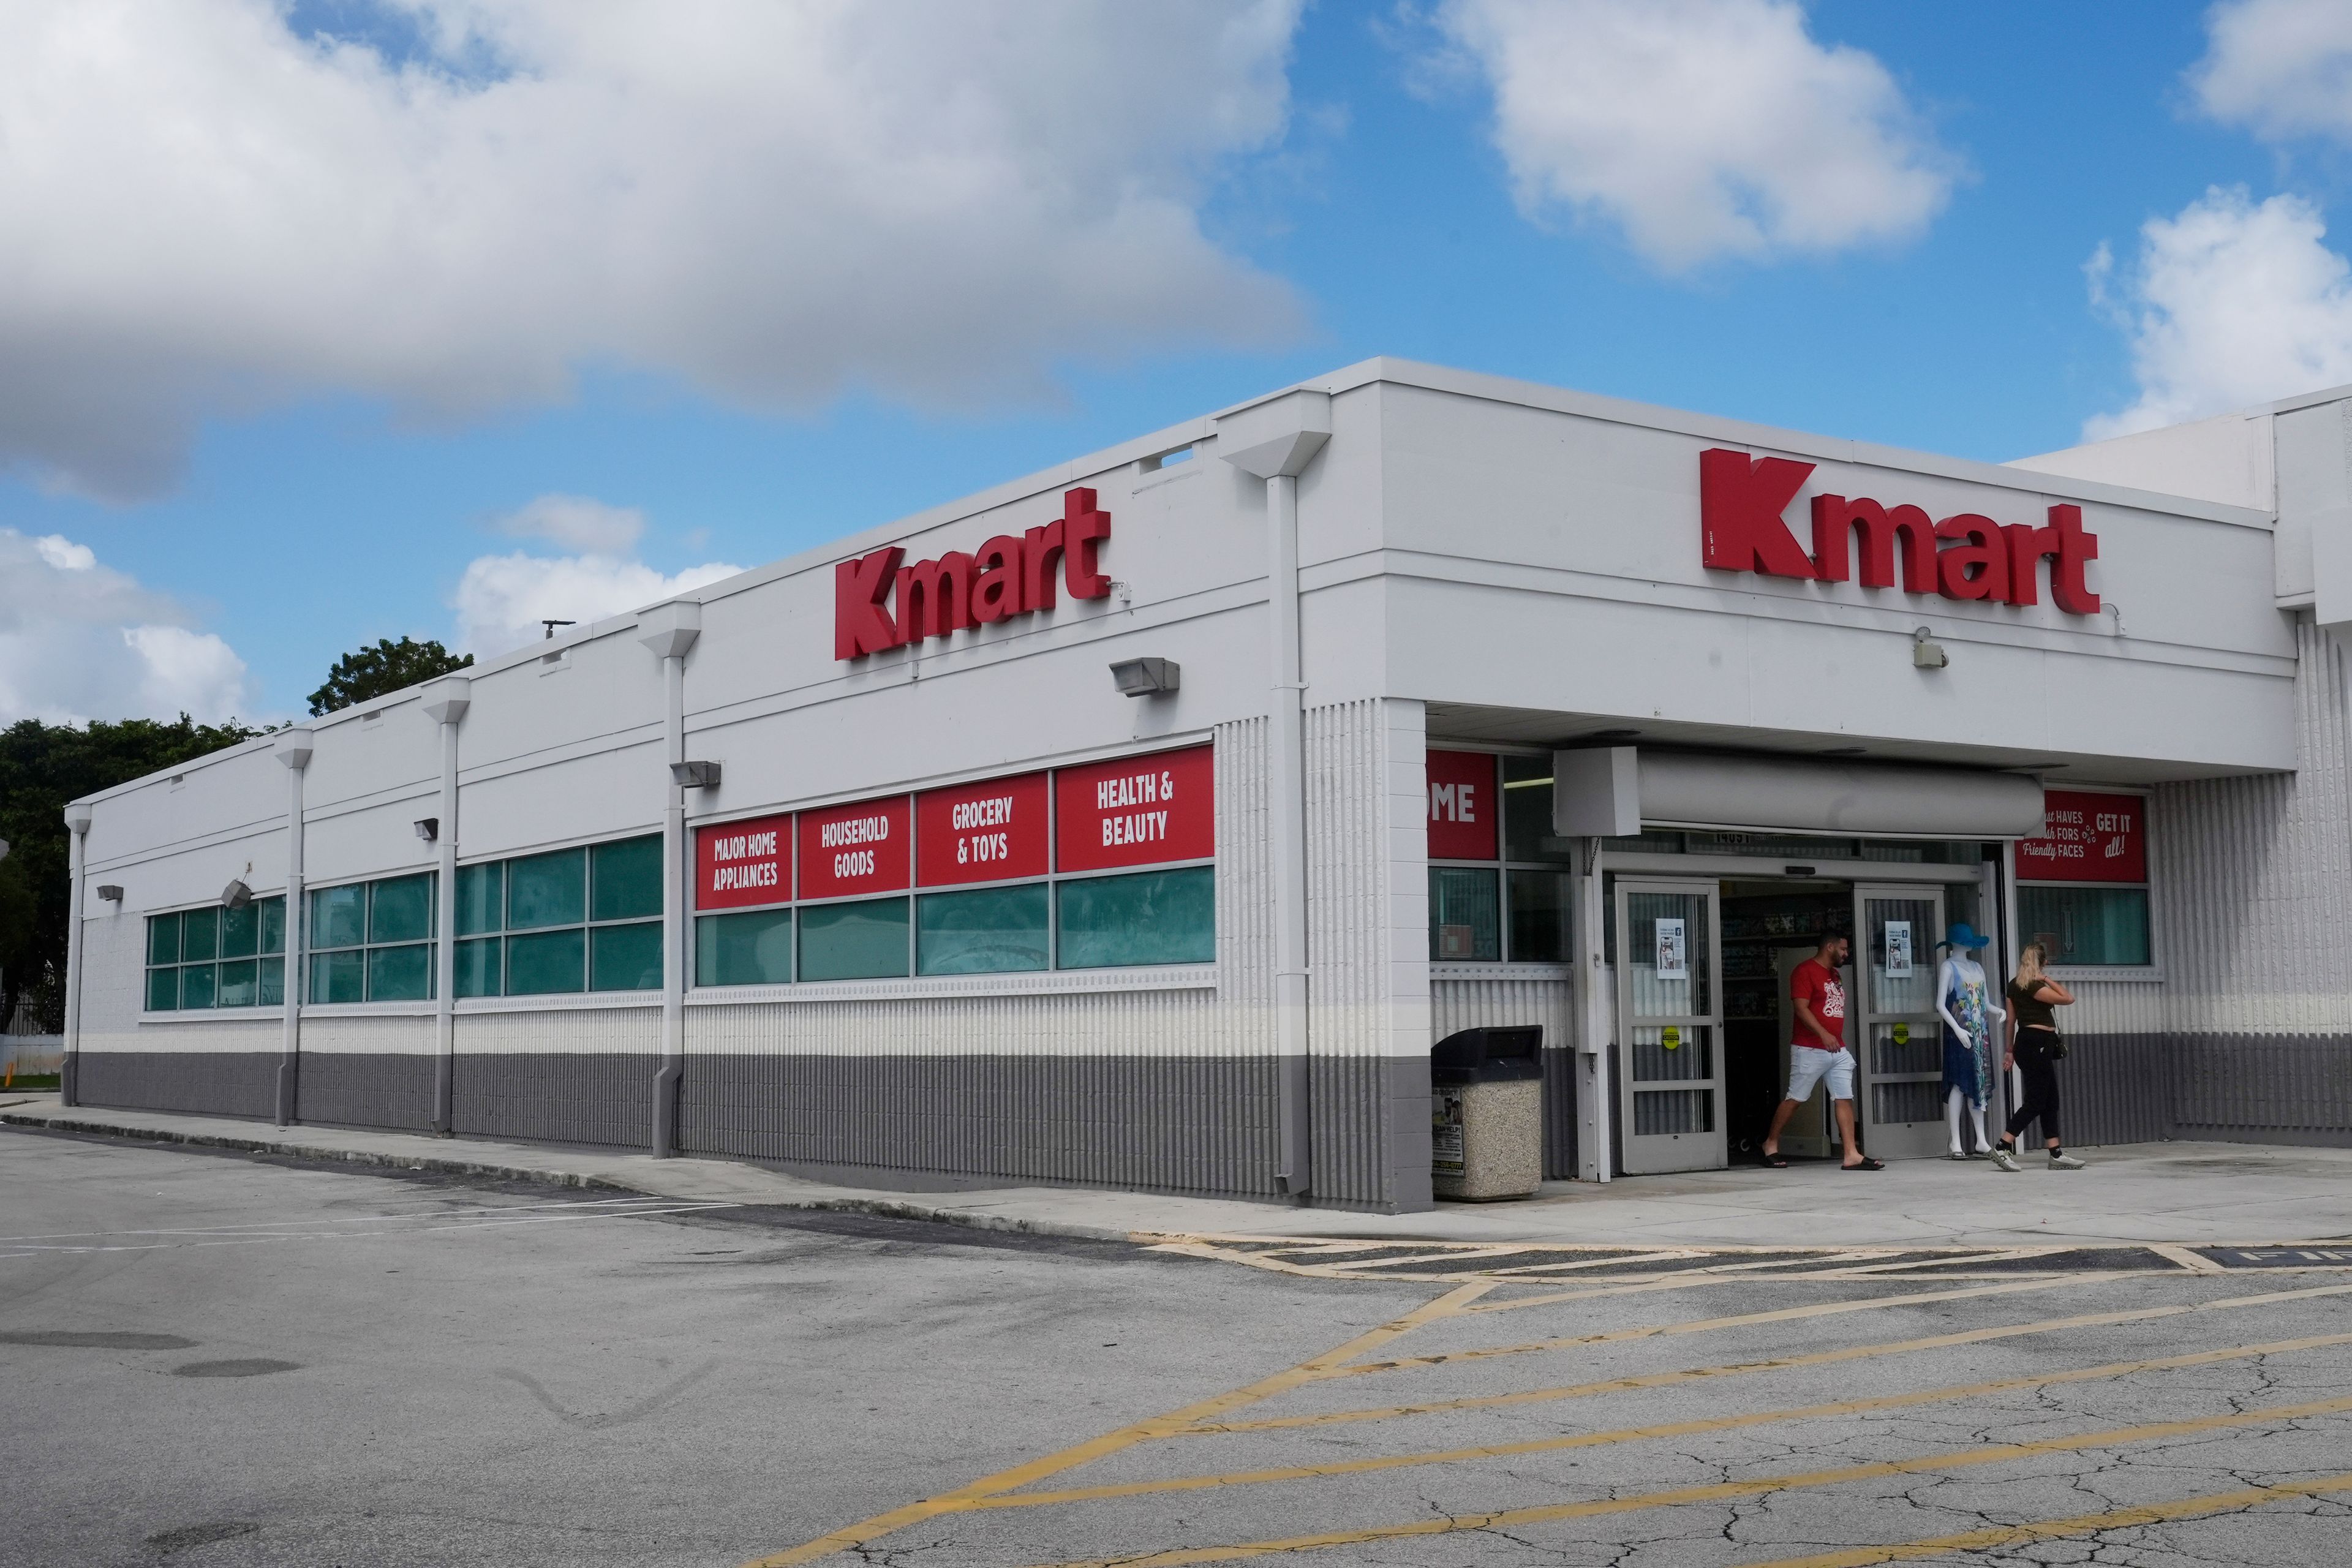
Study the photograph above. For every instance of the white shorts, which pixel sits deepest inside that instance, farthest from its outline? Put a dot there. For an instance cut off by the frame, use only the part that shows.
(1808, 1065)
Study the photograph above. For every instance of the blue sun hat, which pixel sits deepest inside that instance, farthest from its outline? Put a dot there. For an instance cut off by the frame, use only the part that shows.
(1965, 937)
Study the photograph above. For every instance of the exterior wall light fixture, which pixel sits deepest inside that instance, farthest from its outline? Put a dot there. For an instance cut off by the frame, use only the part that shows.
(1147, 676)
(694, 776)
(110, 891)
(236, 895)
(1926, 655)
(428, 828)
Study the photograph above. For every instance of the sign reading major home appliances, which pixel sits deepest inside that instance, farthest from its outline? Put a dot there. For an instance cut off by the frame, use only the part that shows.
(1010, 576)
(2089, 839)
(743, 863)
(1137, 811)
(991, 832)
(851, 849)
(1465, 807)
(1740, 500)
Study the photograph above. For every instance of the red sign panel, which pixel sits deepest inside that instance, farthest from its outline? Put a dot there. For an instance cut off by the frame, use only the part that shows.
(1137, 811)
(981, 833)
(851, 849)
(738, 864)
(1465, 808)
(2088, 838)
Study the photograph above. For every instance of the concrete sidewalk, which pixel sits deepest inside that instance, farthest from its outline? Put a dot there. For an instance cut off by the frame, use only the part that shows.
(2188, 1193)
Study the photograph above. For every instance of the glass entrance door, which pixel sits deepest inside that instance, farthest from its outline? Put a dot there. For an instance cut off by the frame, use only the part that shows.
(1670, 1026)
(1896, 1033)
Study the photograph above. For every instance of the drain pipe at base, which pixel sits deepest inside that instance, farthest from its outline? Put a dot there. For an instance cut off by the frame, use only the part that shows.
(77, 819)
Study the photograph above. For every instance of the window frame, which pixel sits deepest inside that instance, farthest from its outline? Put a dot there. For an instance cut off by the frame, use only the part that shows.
(2120, 974)
(148, 968)
(367, 947)
(505, 931)
(1505, 868)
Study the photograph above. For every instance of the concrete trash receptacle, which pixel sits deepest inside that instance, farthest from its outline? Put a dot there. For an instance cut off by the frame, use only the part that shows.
(1487, 1114)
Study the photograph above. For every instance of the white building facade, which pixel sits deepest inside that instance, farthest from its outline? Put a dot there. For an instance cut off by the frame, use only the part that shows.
(1143, 822)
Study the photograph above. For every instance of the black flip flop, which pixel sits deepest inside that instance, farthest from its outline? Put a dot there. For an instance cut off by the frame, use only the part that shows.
(1866, 1163)
(1778, 1161)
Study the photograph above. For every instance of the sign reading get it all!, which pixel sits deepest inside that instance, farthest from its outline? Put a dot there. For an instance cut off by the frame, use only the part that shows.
(1965, 556)
(880, 604)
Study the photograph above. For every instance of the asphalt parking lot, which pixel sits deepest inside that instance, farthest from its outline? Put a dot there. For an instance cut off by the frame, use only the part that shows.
(214, 1359)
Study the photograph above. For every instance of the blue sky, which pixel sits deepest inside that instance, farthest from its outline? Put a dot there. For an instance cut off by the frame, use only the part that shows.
(290, 502)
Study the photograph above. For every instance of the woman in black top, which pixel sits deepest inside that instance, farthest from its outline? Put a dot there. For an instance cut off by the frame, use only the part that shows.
(2032, 1050)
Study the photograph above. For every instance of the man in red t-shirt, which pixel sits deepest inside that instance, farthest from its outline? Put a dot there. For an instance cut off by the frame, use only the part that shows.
(1818, 1052)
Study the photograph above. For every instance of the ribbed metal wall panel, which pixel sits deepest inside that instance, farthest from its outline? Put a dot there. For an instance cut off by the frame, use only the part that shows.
(1347, 958)
(1488, 1002)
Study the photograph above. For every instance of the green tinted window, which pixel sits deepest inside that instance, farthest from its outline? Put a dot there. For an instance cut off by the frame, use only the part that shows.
(400, 973)
(270, 989)
(1527, 810)
(625, 958)
(162, 939)
(547, 891)
(865, 941)
(477, 967)
(273, 924)
(2105, 926)
(197, 986)
(400, 908)
(991, 930)
(1154, 917)
(199, 933)
(752, 949)
(338, 977)
(163, 990)
(547, 963)
(482, 898)
(239, 984)
(1464, 924)
(1538, 916)
(625, 878)
(339, 917)
(240, 932)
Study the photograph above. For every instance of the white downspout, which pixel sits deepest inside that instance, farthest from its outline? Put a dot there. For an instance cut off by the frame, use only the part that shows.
(294, 751)
(445, 705)
(1276, 441)
(1596, 1000)
(77, 819)
(670, 631)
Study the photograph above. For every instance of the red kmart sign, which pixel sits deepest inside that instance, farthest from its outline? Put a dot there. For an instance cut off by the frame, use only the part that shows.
(880, 604)
(1742, 501)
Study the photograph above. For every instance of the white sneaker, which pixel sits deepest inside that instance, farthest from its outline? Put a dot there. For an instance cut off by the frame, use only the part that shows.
(2002, 1159)
(2067, 1162)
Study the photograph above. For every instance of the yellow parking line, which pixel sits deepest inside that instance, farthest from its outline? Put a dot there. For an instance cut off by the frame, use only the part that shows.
(1990, 1454)
(2039, 1282)
(1667, 1430)
(1127, 1437)
(1993, 1537)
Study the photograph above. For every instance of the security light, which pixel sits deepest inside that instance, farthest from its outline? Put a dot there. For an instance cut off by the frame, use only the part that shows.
(110, 893)
(1147, 676)
(694, 776)
(428, 828)
(236, 895)
(1926, 655)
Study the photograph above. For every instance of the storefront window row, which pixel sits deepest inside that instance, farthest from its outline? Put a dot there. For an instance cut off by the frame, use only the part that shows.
(218, 957)
(1096, 867)
(1498, 884)
(2082, 885)
(563, 921)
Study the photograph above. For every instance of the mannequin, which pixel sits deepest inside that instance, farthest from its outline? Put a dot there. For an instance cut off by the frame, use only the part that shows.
(1965, 1005)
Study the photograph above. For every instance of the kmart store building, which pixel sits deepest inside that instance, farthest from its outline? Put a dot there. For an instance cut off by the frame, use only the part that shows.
(1143, 822)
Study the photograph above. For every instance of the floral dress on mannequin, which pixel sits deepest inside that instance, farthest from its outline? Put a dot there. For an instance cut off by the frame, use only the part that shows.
(1968, 1015)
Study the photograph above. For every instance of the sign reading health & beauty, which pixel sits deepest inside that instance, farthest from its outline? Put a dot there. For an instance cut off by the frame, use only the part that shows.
(989, 832)
(2087, 837)
(851, 849)
(739, 864)
(1137, 811)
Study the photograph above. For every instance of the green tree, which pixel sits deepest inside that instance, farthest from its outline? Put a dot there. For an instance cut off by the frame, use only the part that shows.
(42, 766)
(379, 670)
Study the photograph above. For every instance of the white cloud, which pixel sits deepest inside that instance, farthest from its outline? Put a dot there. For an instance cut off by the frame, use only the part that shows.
(576, 522)
(82, 641)
(2281, 68)
(1706, 129)
(2229, 303)
(501, 599)
(773, 203)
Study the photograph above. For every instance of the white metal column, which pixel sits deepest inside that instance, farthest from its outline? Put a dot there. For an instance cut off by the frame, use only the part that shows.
(446, 704)
(294, 751)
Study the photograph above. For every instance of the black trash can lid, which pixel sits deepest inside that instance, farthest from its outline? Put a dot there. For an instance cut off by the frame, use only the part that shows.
(1491, 1055)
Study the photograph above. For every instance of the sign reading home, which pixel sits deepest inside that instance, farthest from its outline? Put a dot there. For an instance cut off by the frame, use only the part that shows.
(880, 604)
(1741, 503)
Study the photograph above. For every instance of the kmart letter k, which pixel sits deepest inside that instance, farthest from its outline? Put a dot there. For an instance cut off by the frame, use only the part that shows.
(1739, 506)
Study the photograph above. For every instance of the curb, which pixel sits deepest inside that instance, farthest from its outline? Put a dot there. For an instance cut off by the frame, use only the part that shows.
(885, 1208)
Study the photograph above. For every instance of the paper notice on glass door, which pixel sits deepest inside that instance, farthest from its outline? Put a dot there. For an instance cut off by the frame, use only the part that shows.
(1899, 950)
(1673, 956)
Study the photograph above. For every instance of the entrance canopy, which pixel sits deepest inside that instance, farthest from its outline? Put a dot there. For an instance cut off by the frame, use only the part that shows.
(1608, 792)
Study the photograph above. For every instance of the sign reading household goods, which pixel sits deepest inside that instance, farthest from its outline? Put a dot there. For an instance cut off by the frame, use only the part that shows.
(1964, 556)
(1147, 810)
(880, 604)
(2087, 837)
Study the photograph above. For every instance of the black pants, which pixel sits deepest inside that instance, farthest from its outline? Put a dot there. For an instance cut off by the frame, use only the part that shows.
(2040, 1076)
